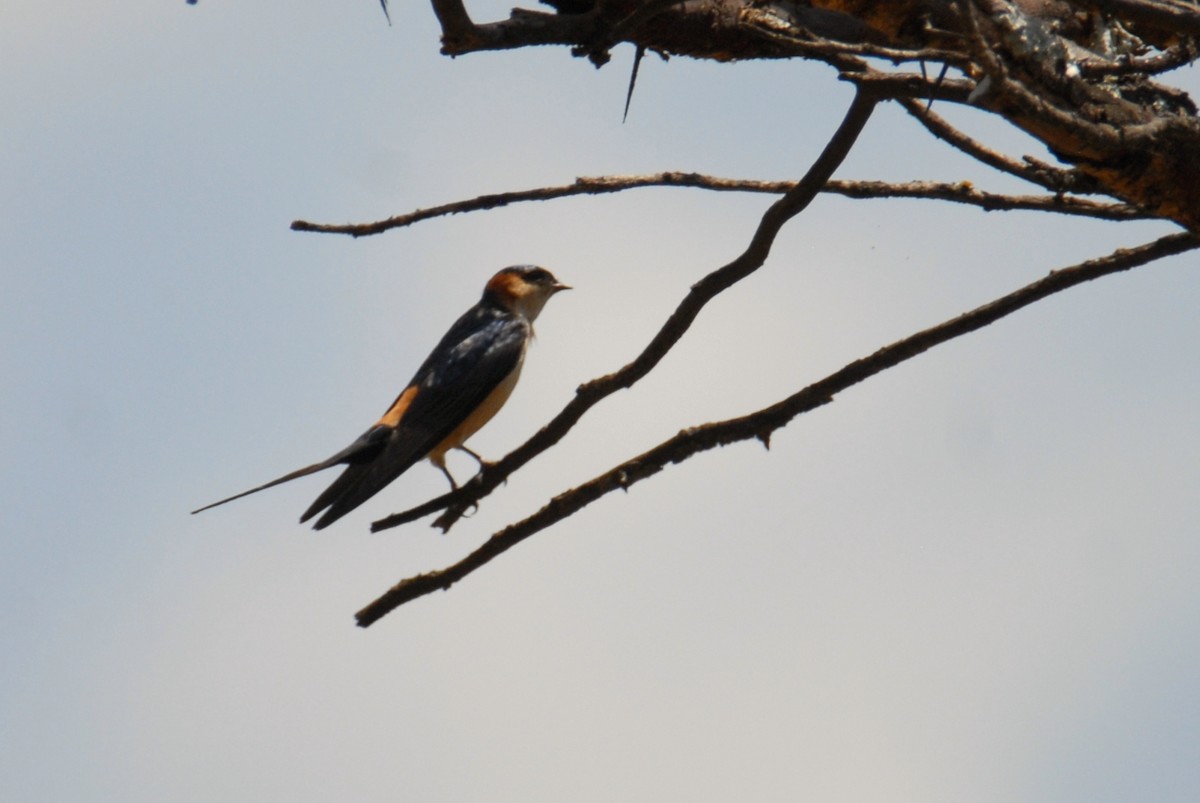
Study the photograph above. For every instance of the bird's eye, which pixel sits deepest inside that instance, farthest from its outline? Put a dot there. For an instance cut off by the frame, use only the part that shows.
(539, 276)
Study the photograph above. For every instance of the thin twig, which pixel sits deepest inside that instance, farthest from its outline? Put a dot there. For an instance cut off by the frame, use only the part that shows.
(766, 24)
(964, 193)
(1056, 179)
(907, 85)
(959, 192)
(762, 423)
(1174, 57)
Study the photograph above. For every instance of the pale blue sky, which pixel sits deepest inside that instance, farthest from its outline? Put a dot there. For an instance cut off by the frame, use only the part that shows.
(972, 578)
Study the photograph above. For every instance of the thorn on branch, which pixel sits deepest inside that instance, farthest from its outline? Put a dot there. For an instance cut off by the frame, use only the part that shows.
(637, 61)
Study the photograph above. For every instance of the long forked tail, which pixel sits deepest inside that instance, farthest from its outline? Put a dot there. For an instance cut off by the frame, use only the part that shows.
(355, 485)
(302, 472)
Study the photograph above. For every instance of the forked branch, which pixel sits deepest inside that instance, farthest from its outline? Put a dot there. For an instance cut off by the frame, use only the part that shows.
(761, 423)
(588, 395)
(1075, 74)
(1076, 80)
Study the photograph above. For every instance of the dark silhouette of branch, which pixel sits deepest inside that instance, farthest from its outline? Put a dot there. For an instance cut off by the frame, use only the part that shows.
(751, 259)
(1043, 175)
(453, 17)
(963, 192)
(912, 85)
(1077, 81)
(816, 46)
(762, 423)
(957, 192)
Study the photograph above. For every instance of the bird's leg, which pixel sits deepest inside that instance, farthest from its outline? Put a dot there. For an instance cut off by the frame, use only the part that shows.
(453, 484)
(482, 463)
(449, 476)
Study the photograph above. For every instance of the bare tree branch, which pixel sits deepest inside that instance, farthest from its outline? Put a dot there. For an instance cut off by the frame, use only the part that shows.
(897, 85)
(964, 192)
(452, 16)
(1174, 57)
(1052, 178)
(752, 258)
(813, 46)
(762, 423)
(1075, 75)
(957, 192)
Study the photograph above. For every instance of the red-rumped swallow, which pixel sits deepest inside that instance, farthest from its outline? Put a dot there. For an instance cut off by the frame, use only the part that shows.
(459, 387)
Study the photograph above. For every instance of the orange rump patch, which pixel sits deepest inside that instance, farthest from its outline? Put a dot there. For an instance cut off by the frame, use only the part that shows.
(392, 417)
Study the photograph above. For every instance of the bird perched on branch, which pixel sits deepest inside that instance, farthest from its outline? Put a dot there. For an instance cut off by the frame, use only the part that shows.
(460, 386)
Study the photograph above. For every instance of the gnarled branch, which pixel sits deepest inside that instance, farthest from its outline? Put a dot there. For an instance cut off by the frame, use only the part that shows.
(1077, 80)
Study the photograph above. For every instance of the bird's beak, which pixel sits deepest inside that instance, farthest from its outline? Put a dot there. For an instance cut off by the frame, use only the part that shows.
(560, 286)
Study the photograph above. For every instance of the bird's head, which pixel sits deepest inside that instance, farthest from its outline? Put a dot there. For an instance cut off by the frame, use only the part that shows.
(524, 289)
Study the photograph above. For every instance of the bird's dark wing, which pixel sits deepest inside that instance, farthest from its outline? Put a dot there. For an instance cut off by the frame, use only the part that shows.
(478, 353)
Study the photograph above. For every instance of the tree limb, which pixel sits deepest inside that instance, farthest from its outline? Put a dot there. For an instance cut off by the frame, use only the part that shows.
(1169, 16)
(958, 192)
(761, 423)
(1071, 76)
(751, 259)
(1052, 178)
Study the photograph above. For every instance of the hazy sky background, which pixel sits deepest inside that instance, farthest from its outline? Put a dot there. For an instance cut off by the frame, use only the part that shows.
(971, 579)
